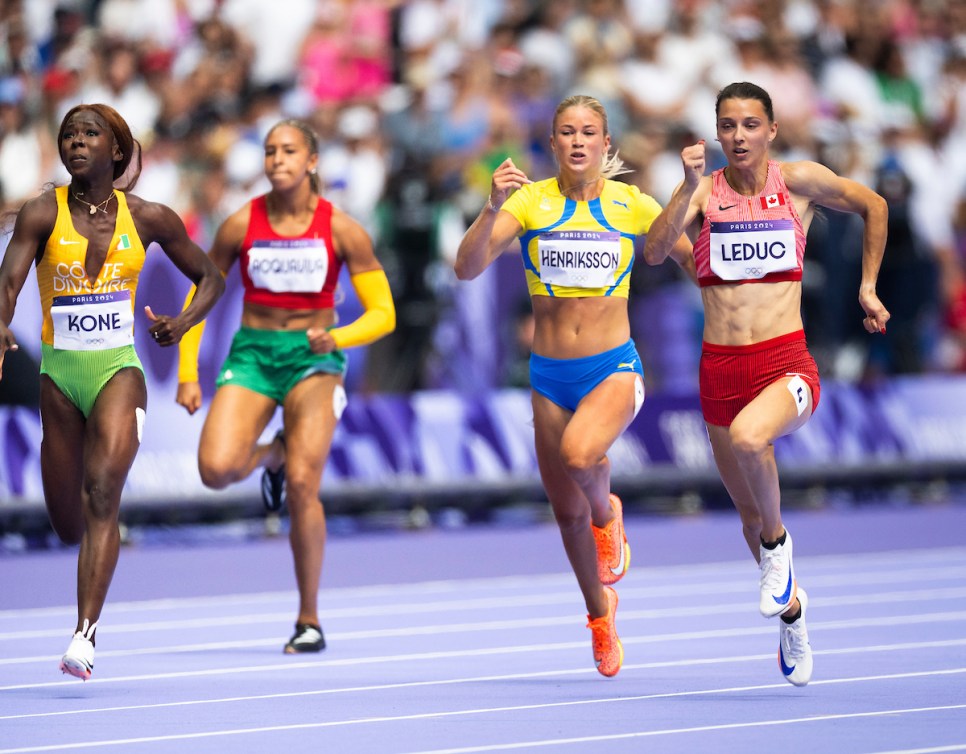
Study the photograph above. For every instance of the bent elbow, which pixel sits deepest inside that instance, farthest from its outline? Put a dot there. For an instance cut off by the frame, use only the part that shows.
(215, 282)
(652, 256)
(463, 271)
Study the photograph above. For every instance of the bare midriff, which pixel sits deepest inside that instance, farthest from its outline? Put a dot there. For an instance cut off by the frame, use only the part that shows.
(570, 328)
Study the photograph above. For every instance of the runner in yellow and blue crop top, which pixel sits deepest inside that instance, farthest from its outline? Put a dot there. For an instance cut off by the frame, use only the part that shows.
(289, 245)
(577, 234)
(758, 381)
(87, 241)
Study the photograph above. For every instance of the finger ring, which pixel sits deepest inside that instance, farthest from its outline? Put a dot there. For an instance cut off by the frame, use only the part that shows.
(157, 335)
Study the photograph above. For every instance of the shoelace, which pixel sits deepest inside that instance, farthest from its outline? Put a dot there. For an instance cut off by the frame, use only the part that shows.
(794, 640)
(600, 635)
(771, 571)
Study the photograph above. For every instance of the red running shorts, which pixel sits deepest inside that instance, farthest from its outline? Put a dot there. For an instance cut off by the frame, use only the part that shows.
(730, 377)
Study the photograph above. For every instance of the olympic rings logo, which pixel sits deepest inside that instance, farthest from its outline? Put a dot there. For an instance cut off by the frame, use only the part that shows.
(754, 272)
(94, 341)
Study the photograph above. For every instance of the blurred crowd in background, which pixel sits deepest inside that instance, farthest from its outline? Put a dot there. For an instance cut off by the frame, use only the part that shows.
(417, 102)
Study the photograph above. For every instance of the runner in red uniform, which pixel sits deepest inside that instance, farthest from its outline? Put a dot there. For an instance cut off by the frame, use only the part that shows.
(757, 379)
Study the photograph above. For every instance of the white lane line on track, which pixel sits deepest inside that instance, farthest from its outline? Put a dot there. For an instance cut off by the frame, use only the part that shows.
(875, 568)
(504, 604)
(422, 657)
(526, 707)
(690, 662)
(930, 750)
(876, 621)
(699, 729)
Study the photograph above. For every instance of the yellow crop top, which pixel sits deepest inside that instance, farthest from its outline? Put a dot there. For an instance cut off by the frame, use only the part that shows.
(578, 249)
(81, 314)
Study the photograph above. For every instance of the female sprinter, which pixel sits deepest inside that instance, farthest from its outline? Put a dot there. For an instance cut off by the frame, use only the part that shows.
(577, 234)
(758, 380)
(290, 245)
(87, 241)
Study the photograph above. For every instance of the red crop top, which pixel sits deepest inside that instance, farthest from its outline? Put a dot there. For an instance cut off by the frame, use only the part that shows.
(750, 239)
(289, 272)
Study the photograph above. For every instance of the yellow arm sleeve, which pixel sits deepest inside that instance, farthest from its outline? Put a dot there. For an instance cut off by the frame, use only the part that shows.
(189, 346)
(379, 317)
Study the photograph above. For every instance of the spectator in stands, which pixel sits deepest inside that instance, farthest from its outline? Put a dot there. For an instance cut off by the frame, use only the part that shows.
(274, 62)
(758, 381)
(123, 87)
(290, 245)
(586, 374)
(92, 390)
(27, 152)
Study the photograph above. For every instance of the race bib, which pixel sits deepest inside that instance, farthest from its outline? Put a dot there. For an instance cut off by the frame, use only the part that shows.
(751, 249)
(579, 258)
(92, 321)
(289, 266)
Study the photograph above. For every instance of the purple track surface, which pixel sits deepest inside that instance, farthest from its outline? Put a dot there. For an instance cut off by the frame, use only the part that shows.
(473, 640)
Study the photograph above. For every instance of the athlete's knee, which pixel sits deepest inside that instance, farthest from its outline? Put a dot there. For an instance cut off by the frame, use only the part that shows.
(102, 501)
(302, 486)
(215, 477)
(217, 472)
(581, 461)
(747, 440)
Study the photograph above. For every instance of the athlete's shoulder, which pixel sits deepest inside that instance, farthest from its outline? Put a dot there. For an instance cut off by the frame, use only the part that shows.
(45, 201)
(627, 191)
(233, 228)
(145, 211)
(643, 208)
(532, 191)
(37, 215)
(807, 178)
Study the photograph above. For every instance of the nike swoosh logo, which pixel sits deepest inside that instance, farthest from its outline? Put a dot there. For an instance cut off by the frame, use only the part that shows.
(620, 563)
(722, 209)
(65, 242)
(781, 660)
(788, 592)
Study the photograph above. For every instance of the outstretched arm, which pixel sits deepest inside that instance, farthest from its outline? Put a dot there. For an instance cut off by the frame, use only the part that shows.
(493, 230)
(822, 186)
(681, 210)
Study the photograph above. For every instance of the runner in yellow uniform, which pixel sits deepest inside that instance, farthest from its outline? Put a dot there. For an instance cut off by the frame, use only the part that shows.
(88, 242)
(577, 234)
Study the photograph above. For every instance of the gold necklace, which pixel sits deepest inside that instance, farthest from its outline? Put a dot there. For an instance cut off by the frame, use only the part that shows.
(94, 207)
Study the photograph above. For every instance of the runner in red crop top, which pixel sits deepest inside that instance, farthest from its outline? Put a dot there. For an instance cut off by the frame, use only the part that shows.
(750, 239)
(757, 379)
(287, 272)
